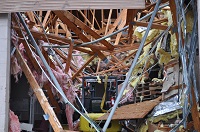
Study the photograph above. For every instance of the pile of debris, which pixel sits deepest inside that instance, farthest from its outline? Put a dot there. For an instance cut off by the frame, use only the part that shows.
(151, 51)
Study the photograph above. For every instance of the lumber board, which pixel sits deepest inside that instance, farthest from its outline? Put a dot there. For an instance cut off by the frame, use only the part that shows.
(73, 27)
(133, 111)
(69, 58)
(39, 93)
(83, 26)
(84, 65)
(108, 22)
(122, 24)
(54, 39)
(131, 14)
(46, 18)
(115, 24)
(154, 25)
(172, 5)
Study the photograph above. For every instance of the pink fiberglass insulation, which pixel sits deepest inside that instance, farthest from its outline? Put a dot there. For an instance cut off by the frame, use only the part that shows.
(69, 111)
(63, 79)
(78, 59)
(15, 68)
(68, 89)
(14, 125)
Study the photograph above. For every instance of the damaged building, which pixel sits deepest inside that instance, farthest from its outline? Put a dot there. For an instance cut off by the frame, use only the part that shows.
(105, 66)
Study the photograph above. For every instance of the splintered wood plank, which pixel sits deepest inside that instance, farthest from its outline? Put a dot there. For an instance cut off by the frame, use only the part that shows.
(39, 93)
(84, 65)
(52, 21)
(74, 28)
(46, 18)
(108, 22)
(64, 57)
(31, 16)
(154, 25)
(66, 14)
(115, 24)
(133, 111)
(54, 39)
(56, 28)
(85, 18)
(69, 58)
(123, 23)
(131, 14)
(93, 13)
(172, 5)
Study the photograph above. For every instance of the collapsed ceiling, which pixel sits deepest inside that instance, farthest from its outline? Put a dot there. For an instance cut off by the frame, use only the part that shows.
(149, 50)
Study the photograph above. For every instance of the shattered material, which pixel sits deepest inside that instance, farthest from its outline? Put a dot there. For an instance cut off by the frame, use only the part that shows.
(167, 106)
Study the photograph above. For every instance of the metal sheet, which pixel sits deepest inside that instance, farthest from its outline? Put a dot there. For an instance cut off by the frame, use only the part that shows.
(7, 6)
(133, 111)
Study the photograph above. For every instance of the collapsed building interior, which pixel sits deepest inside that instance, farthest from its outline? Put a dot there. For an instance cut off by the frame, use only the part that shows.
(119, 69)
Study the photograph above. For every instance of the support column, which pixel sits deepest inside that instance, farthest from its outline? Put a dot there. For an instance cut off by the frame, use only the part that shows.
(5, 24)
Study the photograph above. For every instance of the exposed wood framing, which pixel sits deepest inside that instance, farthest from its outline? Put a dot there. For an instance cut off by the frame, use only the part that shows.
(39, 94)
(80, 70)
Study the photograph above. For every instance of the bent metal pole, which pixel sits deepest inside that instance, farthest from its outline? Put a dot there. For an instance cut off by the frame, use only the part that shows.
(132, 67)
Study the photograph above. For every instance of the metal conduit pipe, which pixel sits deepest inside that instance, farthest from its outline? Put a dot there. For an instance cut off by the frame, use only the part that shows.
(132, 67)
(105, 37)
(59, 89)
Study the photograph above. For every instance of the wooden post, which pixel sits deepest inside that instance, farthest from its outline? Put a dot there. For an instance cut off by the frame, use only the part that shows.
(39, 94)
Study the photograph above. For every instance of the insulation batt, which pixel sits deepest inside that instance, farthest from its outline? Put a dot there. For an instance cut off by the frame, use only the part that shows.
(15, 68)
(63, 79)
(66, 84)
(78, 59)
(14, 125)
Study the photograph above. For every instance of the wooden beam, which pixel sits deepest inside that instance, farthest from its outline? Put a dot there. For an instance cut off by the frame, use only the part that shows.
(115, 24)
(131, 14)
(39, 93)
(46, 18)
(95, 19)
(31, 16)
(37, 68)
(172, 5)
(66, 14)
(122, 24)
(54, 39)
(108, 22)
(154, 26)
(69, 58)
(85, 18)
(84, 65)
(73, 27)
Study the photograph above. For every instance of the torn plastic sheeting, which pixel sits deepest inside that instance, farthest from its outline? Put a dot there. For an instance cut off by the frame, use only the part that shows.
(170, 105)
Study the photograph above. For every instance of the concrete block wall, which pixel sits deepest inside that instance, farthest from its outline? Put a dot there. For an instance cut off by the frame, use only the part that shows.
(5, 24)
